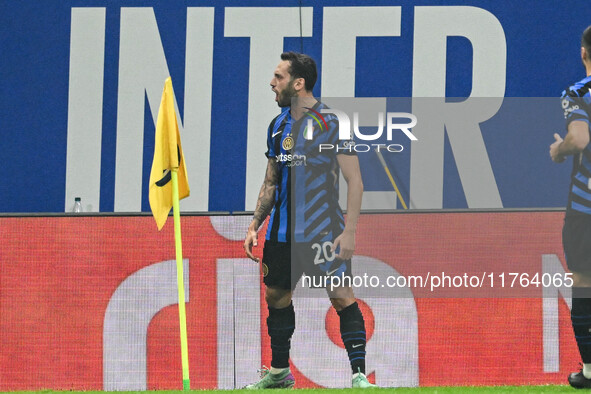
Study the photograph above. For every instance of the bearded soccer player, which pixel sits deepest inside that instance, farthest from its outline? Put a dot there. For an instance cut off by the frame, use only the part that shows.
(306, 232)
(576, 233)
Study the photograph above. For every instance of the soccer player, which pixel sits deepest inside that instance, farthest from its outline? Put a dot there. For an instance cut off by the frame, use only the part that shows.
(576, 233)
(306, 230)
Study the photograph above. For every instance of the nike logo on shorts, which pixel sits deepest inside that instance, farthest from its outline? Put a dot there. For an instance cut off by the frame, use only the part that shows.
(328, 273)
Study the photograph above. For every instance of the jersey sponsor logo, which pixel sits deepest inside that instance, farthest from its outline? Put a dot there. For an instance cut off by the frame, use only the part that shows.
(291, 160)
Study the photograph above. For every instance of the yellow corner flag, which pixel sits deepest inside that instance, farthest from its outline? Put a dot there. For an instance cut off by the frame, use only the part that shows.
(168, 156)
(169, 184)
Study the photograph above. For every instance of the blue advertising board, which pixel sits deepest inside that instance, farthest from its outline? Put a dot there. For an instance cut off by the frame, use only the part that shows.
(82, 84)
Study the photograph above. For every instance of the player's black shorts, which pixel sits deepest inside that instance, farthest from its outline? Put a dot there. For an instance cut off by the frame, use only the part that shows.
(576, 240)
(284, 263)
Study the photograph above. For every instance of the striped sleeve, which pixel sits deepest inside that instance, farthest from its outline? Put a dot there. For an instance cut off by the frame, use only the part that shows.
(575, 105)
(270, 145)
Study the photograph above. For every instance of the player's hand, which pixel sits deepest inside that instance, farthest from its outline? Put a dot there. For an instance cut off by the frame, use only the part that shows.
(346, 241)
(249, 242)
(556, 157)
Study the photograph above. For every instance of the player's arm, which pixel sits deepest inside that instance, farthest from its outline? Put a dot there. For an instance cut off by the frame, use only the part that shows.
(576, 139)
(264, 206)
(350, 168)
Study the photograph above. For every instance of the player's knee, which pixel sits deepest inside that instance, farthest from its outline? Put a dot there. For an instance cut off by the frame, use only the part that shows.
(277, 298)
(340, 303)
(341, 297)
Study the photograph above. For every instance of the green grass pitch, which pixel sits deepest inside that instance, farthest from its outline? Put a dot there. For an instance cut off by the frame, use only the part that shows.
(420, 390)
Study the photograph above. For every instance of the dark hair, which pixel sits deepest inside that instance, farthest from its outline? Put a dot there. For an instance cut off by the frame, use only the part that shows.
(586, 42)
(302, 66)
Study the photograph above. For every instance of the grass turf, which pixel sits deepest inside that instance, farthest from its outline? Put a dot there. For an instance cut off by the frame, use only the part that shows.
(417, 390)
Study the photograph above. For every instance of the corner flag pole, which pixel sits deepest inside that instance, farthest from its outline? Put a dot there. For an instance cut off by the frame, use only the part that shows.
(179, 277)
(391, 178)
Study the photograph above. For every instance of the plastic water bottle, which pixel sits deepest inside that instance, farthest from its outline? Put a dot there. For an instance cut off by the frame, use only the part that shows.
(77, 205)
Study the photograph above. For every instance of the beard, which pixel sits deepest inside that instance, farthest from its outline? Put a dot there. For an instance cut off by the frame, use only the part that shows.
(284, 97)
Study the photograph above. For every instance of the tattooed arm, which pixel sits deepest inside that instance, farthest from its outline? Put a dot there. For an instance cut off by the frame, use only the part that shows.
(264, 206)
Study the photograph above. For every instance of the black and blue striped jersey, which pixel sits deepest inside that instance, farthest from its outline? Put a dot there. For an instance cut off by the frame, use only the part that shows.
(576, 103)
(307, 196)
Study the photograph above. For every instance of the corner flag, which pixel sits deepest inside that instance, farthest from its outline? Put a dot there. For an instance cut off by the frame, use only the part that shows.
(168, 156)
(169, 184)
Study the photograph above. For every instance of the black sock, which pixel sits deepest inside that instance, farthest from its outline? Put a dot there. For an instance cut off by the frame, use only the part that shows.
(353, 335)
(280, 326)
(581, 319)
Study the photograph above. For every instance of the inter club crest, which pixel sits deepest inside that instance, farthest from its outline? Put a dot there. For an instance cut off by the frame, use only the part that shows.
(287, 143)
